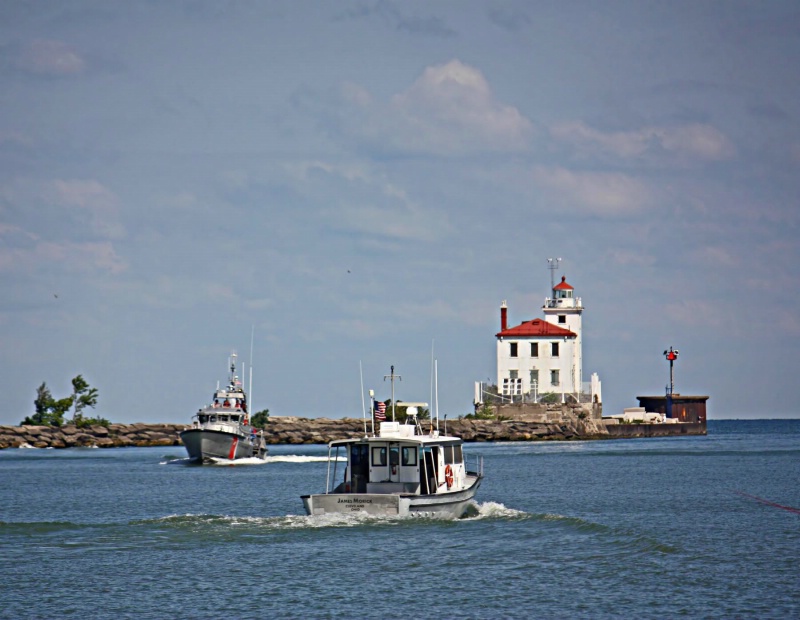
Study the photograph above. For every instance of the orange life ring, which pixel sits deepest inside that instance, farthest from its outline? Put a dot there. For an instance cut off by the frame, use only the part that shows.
(448, 476)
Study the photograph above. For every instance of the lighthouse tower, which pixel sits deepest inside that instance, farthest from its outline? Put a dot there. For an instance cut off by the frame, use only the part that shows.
(565, 310)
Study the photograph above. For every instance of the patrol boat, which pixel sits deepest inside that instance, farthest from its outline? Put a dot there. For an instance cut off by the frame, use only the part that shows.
(222, 429)
(400, 470)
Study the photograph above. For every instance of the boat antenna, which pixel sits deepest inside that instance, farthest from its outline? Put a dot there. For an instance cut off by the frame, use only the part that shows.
(392, 376)
(436, 383)
(233, 368)
(250, 381)
(432, 372)
(363, 406)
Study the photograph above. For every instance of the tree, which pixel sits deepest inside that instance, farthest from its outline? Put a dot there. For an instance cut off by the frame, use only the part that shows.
(82, 396)
(43, 401)
(49, 412)
(260, 419)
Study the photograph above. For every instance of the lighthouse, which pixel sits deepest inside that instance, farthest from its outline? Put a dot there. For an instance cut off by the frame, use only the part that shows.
(541, 356)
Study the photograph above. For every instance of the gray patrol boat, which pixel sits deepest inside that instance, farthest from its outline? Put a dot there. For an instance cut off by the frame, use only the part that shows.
(222, 430)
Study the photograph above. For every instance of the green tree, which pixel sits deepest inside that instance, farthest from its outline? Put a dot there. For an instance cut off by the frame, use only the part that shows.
(43, 401)
(82, 396)
(51, 412)
(260, 419)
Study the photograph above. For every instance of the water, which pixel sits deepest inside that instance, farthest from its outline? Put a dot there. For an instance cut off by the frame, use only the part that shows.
(645, 528)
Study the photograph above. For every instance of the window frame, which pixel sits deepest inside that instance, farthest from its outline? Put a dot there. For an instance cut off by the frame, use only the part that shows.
(381, 451)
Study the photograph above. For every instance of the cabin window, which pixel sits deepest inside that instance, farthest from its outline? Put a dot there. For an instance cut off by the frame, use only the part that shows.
(213, 418)
(554, 349)
(452, 455)
(409, 456)
(394, 456)
(202, 419)
(513, 349)
(448, 454)
(379, 457)
(562, 318)
(534, 349)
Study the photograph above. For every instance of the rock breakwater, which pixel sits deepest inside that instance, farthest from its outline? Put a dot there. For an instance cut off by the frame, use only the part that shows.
(297, 430)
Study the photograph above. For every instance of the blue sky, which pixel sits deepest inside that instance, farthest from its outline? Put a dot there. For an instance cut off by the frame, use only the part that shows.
(365, 182)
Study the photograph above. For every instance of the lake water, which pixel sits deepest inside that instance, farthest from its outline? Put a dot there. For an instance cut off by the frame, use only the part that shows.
(644, 528)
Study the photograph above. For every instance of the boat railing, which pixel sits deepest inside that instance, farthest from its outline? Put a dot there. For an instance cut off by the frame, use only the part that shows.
(474, 465)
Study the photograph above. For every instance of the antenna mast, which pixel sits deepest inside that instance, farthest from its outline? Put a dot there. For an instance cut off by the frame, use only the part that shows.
(552, 265)
(392, 376)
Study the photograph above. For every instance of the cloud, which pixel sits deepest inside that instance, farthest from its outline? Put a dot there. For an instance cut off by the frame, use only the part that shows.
(512, 20)
(718, 256)
(92, 196)
(371, 204)
(599, 193)
(697, 141)
(50, 58)
(450, 110)
(388, 13)
(67, 256)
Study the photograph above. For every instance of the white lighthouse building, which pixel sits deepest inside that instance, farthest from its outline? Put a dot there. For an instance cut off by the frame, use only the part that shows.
(542, 356)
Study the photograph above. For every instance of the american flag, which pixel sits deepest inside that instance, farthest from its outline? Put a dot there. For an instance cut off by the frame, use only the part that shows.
(380, 410)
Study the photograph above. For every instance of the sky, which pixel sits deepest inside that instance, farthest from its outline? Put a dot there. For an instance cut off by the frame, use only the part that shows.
(333, 188)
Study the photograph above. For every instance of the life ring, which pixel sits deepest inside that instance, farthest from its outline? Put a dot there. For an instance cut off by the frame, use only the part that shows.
(448, 476)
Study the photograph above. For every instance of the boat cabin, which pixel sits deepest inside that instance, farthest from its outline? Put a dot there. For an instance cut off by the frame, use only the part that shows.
(205, 417)
(397, 460)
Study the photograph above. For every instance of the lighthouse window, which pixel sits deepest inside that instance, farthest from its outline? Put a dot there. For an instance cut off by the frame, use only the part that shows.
(534, 349)
(553, 377)
(513, 349)
(554, 349)
(562, 318)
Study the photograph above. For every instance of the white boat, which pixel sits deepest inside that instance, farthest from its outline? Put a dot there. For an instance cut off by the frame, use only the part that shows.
(222, 429)
(400, 470)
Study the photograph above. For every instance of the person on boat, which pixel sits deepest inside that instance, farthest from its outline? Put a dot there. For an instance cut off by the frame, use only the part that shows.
(216, 403)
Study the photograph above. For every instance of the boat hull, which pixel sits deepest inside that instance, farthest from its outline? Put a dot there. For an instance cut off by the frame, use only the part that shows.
(205, 445)
(448, 505)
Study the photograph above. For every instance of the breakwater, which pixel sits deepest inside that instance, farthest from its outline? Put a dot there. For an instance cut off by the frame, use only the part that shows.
(297, 430)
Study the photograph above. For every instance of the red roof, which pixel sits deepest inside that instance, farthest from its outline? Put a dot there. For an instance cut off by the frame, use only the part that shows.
(536, 327)
(563, 286)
